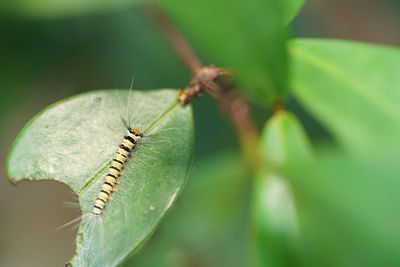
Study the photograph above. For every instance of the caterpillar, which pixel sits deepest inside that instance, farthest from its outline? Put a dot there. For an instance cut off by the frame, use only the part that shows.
(115, 170)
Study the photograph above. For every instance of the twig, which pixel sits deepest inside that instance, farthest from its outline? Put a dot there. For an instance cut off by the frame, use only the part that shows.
(214, 81)
(177, 41)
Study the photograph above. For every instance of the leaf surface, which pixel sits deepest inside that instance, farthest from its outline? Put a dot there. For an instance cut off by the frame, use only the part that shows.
(352, 88)
(74, 141)
(348, 207)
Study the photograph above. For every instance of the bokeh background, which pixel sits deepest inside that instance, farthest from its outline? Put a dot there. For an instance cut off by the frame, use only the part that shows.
(45, 60)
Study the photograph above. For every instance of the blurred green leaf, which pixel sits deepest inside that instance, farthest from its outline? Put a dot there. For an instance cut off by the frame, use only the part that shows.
(275, 226)
(291, 8)
(73, 142)
(61, 8)
(352, 88)
(275, 223)
(248, 36)
(284, 139)
(348, 210)
(207, 226)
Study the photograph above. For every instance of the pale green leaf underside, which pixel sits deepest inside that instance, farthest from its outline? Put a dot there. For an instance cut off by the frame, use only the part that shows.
(284, 139)
(275, 220)
(352, 88)
(74, 141)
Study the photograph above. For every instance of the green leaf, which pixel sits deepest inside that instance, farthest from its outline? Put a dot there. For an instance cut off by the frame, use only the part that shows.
(348, 210)
(74, 141)
(291, 8)
(352, 88)
(208, 223)
(248, 36)
(284, 139)
(61, 8)
(275, 221)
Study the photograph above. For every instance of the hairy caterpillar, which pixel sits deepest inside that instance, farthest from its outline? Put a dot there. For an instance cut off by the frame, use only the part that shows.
(115, 170)
(132, 153)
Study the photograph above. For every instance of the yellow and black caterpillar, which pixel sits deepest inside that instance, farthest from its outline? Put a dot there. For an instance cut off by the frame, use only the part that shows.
(115, 170)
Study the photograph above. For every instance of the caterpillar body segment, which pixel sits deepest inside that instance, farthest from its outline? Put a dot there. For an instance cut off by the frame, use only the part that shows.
(115, 170)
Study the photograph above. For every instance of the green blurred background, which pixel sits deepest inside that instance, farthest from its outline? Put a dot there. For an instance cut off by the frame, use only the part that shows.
(46, 60)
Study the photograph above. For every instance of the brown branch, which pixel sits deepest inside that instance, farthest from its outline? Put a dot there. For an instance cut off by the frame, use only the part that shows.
(178, 43)
(214, 81)
(277, 106)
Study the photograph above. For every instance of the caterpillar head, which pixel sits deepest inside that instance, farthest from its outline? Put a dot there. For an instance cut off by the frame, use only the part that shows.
(136, 132)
